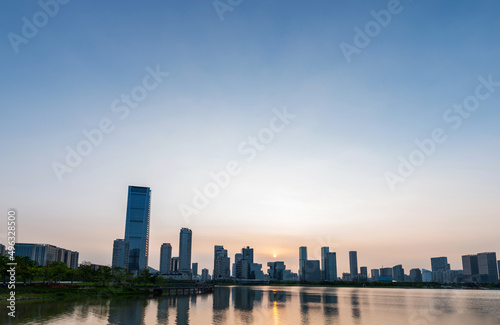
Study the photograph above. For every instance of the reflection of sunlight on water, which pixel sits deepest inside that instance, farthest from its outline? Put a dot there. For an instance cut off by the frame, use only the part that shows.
(275, 313)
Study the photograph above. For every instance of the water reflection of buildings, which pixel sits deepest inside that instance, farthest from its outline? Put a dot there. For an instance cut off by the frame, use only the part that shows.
(245, 297)
(356, 312)
(221, 297)
(127, 311)
(330, 307)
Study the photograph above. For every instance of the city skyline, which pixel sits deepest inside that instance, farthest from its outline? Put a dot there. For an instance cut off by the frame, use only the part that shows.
(256, 130)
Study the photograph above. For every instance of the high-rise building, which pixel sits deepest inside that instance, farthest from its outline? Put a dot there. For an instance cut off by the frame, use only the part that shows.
(363, 273)
(204, 275)
(276, 270)
(302, 262)
(174, 265)
(165, 258)
(439, 264)
(221, 264)
(43, 254)
(331, 267)
(398, 273)
(324, 263)
(256, 271)
(498, 270)
(470, 266)
(426, 275)
(415, 275)
(385, 274)
(194, 268)
(74, 260)
(488, 270)
(137, 227)
(2, 250)
(120, 253)
(185, 242)
(242, 263)
(312, 270)
(353, 263)
(375, 274)
(237, 265)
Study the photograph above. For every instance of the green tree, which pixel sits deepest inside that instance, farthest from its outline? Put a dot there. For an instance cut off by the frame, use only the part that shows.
(105, 274)
(118, 274)
(3, 268)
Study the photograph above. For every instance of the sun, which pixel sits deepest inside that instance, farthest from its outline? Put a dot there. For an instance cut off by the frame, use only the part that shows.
(275, 255)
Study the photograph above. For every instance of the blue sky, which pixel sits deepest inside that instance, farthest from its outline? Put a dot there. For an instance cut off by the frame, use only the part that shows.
(319, 182)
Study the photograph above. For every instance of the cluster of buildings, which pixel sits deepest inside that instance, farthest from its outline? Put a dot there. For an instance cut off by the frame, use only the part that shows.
(131, 253)
(44, 254)
(478, 268)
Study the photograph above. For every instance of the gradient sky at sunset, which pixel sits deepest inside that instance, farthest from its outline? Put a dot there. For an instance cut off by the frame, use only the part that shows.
(318, 182)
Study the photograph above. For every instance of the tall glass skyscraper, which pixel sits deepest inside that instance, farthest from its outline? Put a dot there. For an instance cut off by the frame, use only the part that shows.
(353, 263)
(185, 241)
(137, 227)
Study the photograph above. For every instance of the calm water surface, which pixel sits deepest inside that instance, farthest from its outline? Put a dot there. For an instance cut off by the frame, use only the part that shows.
(275, 305)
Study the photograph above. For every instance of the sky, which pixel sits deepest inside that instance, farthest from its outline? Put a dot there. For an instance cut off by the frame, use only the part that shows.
(358, 125)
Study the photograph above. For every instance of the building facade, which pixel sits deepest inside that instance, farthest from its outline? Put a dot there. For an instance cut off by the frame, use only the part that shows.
(353, 263)
(302, 263)
(398, 273)
(137, 227)
(221, 264)
(331, 267)
(487, 265)
(185, 246)
(120, 253)
(43, 254)
(165, 258)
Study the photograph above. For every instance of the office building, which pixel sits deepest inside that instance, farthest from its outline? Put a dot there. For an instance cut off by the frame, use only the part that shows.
(221, 264)
(331, 267)
(487, 264)
(185, 243)
(242, 263)
(137, 227)
(398, 273)
(165, 258)
(426, 275)
(470, 266)
(194, 269)
(44, 254)
(276, 270)
(385, 274)
(312, 270)
(439, 264)
(353, 263)
(375, 274)
(237, 266)
(74, 260)
(120, 253)
(324, 263)
(415, 275)
(174, 265)
(302, 262)
(256, 271)
(363, 272)
(204, 275)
